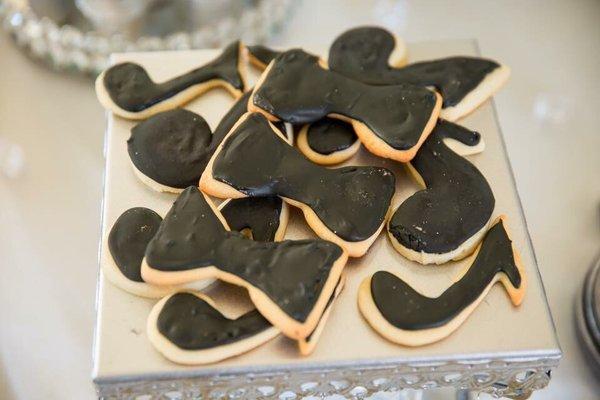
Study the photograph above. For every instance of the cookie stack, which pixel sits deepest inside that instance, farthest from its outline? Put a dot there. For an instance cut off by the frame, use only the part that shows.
(365, 95)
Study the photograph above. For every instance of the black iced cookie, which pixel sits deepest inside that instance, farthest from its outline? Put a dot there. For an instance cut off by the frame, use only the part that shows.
(449, 216)
(265, 217)
(420, 319)
(363, 53)
(260, 56)
(328, 141)
(128, 90)
(346, 205)
(187, 328)
(391, 121)
(289, 282)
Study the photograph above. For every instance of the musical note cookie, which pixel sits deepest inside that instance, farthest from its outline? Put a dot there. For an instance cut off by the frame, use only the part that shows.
(404, 316)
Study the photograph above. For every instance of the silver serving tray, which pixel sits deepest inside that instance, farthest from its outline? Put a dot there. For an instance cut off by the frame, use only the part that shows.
(500, 349)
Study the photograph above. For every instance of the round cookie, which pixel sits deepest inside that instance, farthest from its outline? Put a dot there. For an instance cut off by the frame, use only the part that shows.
(265, 218)
(353, 224)
(328, 141)
(187, 328)
(127, 90)
(447, 218)
(422, 320)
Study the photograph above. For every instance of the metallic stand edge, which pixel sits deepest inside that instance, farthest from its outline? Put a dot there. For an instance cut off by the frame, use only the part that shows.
(511, 378)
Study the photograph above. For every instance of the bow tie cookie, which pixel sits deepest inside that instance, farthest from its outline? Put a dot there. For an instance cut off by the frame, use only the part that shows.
(347, 205)
(128, 91)
(289, 282)
(391, 121)
(464, 82)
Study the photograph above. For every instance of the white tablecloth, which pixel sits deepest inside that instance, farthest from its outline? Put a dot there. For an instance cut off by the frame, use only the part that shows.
(49, 216)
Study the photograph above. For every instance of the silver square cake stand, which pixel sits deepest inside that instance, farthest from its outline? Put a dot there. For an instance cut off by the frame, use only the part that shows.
(501, 350)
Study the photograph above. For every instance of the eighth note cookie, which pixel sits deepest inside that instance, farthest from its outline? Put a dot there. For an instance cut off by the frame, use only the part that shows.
(447, 218)
(346, 205)
(289, 282)
(404, 316)
(128, 91)
(390, 121)
(187, 328)
(464, 82)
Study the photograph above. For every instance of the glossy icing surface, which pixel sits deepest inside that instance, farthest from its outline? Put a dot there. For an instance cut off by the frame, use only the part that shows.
(405, 308)
(191, 323)
(457, 202)
(257, 162)
(291, 273)
(363, 53)
(131, 88)
(397, 114)
(259, 214)
(329, 135)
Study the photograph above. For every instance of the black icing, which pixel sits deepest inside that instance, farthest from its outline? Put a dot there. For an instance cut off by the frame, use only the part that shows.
(291, 273)
(405, 308)
(363, 53)
(129, 237)
(173, 147)
(131, 88)
(259, 214)
(262, 53)
(457, 203)
(397, 114)
(351, 201)
(191, 323)
(329, 135)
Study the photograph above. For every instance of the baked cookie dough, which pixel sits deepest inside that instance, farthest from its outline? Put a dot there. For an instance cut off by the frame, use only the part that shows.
(260, 56)
(328, 141)
(464, 82)
(346, 205)
(170, 150)
(308, 344)
(447, 218)
(127, 90)
(391, 121)
(289, 282)
(187, 328)
(404, 316)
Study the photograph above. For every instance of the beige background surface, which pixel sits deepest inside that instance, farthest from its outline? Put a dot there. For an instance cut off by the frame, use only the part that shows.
(49, 218)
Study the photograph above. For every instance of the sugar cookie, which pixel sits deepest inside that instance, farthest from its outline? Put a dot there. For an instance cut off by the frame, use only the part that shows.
(464, 82)
(265, 217)
(391, 121)
(187, 328)
(447, 218)
(347, 205)
(289, 282)
(404, 316)
(128, 91)
(328, 141)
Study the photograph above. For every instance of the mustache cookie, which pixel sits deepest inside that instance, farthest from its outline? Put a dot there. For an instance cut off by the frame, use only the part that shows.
(391, 121)
(289, 282)
(127, 90)
(464, 82)
(347, 205)
(404, 316)
(447, 218)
